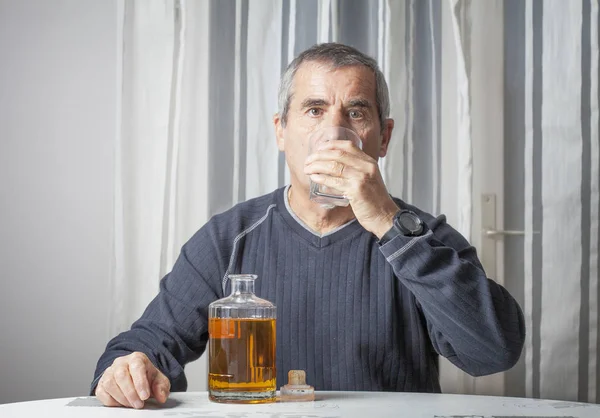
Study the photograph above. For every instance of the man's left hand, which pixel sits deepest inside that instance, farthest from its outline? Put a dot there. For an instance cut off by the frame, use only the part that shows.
(343, 166)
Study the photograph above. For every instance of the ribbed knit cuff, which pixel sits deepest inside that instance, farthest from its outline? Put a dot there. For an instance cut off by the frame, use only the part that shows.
(400, 244)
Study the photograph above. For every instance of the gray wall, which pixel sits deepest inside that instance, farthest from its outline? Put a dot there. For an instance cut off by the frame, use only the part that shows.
(57, 128)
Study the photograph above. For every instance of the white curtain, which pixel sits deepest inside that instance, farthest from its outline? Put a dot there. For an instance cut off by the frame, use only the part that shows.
(162, 151)
(561, 157)
(199, 89)
(561, 199)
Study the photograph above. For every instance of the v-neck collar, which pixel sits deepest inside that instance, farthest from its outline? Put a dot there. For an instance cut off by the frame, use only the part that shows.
(318, 240)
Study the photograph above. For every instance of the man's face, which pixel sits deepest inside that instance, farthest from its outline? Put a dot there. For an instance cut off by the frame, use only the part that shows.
(323, 96)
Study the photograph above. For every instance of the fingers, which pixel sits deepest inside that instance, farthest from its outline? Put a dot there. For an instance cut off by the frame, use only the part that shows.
(335, 165)
(105, 398)
(108, 384)
(161, 387)
(329, 168)
(350, 157)
(338, 183)
(347, 178)
(138, 369)
(131, 380)
(123, 379)
(337, 161)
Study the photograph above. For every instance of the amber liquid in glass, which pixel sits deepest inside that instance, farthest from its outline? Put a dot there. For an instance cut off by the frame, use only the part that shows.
(241, 360)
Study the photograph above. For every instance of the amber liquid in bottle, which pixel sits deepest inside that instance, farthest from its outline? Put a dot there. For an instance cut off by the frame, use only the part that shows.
(242, 360)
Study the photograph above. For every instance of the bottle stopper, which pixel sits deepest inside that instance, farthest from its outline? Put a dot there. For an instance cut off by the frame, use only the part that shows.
(297, 390)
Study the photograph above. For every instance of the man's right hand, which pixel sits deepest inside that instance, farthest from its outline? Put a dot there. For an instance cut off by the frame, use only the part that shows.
(131, 380)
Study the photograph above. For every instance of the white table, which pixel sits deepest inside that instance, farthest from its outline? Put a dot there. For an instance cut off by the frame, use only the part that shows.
(328, 404)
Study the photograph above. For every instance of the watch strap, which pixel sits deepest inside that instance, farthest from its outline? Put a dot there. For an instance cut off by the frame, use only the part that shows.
(389, 235)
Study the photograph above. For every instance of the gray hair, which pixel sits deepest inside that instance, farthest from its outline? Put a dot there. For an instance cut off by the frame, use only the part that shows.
(337, 55)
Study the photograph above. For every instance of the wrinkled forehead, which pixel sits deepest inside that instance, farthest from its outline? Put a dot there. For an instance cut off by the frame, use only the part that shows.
(322, 78)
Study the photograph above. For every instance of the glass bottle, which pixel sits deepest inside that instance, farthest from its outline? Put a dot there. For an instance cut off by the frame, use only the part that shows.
(241, 343)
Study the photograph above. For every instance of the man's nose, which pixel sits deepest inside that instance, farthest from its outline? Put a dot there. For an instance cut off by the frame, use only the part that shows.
(338, 118)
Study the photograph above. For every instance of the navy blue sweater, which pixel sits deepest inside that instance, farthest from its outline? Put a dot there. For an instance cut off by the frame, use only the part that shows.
(355, 315)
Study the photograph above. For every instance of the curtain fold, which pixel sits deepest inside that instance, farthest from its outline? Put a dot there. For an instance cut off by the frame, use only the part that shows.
(263, 71)
(395, 69)
(461, 23)
(141, 157)
(561, 191)
(593, 373)
(528, 203)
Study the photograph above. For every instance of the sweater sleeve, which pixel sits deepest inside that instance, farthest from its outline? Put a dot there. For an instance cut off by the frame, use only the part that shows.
(471, 320)
(173, 329)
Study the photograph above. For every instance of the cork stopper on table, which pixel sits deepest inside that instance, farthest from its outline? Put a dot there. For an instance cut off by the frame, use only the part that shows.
(296, 377)
(297, 390)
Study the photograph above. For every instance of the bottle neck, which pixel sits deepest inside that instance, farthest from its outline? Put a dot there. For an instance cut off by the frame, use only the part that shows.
(242, 284)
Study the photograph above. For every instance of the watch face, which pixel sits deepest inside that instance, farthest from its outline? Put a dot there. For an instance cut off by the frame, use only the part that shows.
(410, 222)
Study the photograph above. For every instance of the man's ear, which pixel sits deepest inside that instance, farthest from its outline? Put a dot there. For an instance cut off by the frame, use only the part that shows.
(386, 137)
(277, 122)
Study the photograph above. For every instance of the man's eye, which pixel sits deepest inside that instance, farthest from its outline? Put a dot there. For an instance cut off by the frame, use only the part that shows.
(355, 114)
(315, 111)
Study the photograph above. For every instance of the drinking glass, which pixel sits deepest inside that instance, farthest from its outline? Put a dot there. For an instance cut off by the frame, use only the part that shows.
(328, 196)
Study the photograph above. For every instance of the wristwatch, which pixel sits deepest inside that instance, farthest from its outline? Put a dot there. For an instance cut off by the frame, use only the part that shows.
(405, 223)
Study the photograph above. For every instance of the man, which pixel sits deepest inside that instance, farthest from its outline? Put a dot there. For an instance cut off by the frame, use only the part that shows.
(368, 295)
